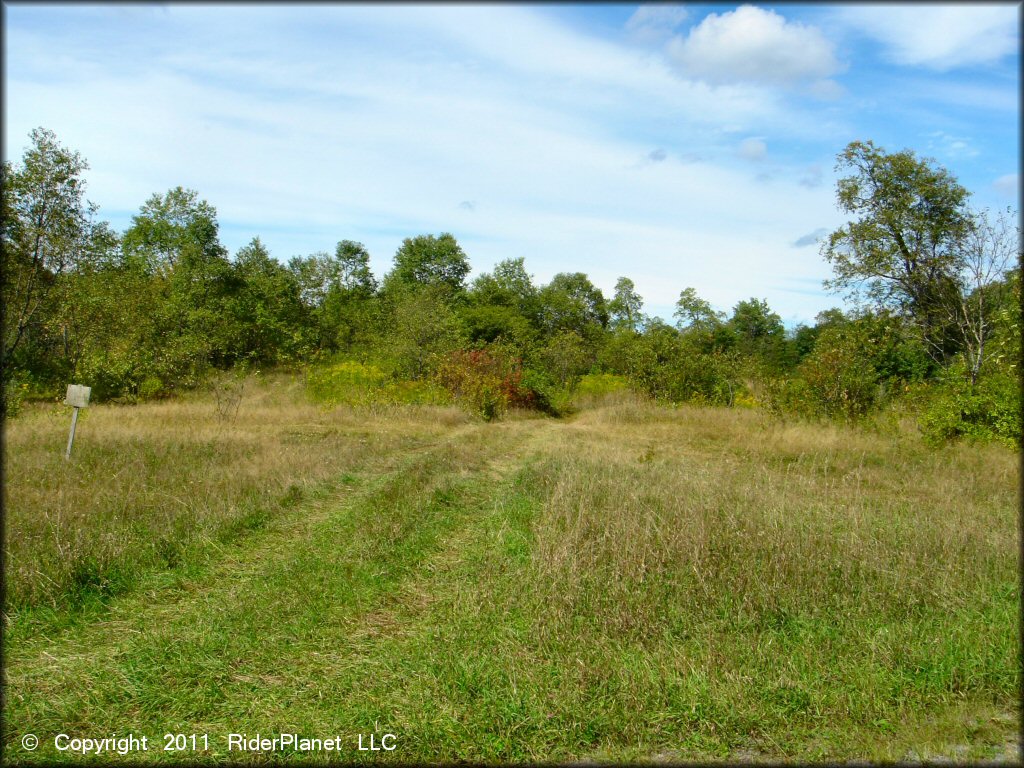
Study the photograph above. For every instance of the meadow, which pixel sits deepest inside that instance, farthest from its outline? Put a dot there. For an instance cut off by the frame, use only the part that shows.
(629, 583)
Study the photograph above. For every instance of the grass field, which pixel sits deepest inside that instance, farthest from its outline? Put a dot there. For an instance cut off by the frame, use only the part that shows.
(633, 583)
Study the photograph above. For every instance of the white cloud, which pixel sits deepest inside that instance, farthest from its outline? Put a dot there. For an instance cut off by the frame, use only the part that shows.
(653, 23)
(811, 238)
(812, 177)
(940, 37)
(754, 45)
(950, 146)
(753, 149)
(1008, 185)
(376, 133)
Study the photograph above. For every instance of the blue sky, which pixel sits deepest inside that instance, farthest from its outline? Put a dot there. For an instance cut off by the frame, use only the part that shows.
(678, 145)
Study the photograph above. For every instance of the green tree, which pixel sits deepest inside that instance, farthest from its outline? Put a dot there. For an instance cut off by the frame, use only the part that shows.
(902, 248)
(171, 227)
(266, 308)
(759, 331)
(570, 302)
(339, 292)
(427, 260)
(625, 308)
(46, 228)
(174, 238)
(696, 313)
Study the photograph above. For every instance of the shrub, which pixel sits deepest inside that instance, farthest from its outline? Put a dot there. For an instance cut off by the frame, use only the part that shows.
(15, 389)
(491, 380)
(987, 410)
(347, 382)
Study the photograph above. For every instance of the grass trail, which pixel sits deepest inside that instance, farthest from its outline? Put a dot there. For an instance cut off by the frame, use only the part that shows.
(635, 584)
(267, 626)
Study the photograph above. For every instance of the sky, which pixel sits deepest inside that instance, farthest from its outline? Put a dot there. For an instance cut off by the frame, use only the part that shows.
(678, 145)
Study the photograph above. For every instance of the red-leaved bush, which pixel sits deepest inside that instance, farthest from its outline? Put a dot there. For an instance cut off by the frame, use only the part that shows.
(488, 380)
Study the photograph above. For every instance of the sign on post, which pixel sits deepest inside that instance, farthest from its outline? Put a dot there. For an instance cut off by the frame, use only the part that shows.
(77, 397)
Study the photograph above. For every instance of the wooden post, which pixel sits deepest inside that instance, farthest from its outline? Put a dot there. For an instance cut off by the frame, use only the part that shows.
(71, 437)
(77, 397)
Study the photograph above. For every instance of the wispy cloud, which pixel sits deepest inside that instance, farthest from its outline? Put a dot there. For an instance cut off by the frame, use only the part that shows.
(1008, 185)
(810, 238)
(654, 23)
(940, 37)
(753, 149)
(945, 145)
(521, 133)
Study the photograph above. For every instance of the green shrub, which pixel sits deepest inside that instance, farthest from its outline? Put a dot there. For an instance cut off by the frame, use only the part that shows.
(362, 384)
(347, 382)
(987, 410)
(15, 389)
(598, 384)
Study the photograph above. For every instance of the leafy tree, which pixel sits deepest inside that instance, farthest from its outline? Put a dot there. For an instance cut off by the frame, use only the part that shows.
(174, 238)
(171, 227)
(696, 313)
(339, 292)
(901, 249)
(625, 307)
(422, 328)
(426, 260)
(759, 331)
(570, 302)
(502, 305)
(46, 229)
(266, 307)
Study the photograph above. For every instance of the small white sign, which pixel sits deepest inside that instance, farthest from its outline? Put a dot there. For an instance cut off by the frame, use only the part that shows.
(78, 395)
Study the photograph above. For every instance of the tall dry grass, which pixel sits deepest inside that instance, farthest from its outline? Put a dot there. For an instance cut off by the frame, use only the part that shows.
(147, 481)
(667, 526)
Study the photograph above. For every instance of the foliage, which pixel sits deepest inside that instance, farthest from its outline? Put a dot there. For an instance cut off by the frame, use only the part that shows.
(429, 261)
(565, 357)
(840, 379)
(422, 328)
(489, 381)
(624, 310)
(47, 228)
(695, 313)
(758, 331)
(902, 248)
(349, 382)
(570, 303)
(988, 409)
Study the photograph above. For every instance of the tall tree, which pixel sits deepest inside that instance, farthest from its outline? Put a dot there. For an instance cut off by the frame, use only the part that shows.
(901, 249)
(570, 302)
(759, 331)
(694, 312)
(173, 226)
(625, 308)
(429, 261)
(988, 252)
(45, 230)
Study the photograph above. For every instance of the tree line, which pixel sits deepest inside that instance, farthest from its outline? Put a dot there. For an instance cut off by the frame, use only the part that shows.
(933, 313)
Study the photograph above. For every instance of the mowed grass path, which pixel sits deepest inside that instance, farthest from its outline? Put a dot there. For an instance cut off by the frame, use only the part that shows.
(633, 584)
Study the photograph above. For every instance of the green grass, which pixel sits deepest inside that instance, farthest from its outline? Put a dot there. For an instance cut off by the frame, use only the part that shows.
(631, 584)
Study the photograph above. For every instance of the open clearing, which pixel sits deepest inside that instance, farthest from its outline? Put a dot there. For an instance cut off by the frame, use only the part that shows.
(633, 583)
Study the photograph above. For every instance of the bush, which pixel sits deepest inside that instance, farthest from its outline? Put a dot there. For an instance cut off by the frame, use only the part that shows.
(363, 384)
(15, 389)
(840, 381)
(988, 410)
(491, 380)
